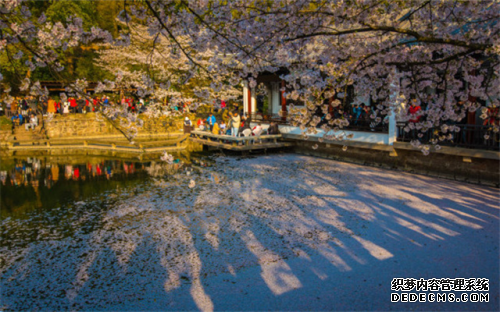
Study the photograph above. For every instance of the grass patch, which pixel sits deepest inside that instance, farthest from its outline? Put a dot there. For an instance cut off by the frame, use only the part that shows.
(5, 123)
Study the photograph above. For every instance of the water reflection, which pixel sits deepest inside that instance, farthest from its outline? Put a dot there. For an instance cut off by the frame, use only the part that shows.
(139, 238)
(36, 182)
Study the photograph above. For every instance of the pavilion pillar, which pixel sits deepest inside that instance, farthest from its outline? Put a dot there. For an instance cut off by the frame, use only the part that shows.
(246, 97)
(395, 90)
(253, 101)
(283, 102)
(393, 129)
(275, 98)
(269, 95)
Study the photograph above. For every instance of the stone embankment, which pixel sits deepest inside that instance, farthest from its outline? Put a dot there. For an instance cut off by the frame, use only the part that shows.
(87, 125)
(88, 135)
(86, 131)
(460, 164)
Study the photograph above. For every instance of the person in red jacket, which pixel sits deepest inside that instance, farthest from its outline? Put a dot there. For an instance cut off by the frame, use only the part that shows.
(87, 106)
(95, 104)
(201, 124)
(414, 111)
(57, 106)
(73, 105)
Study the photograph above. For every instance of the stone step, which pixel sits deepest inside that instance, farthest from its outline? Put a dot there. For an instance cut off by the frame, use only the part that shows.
(24, 131)
(26, 135)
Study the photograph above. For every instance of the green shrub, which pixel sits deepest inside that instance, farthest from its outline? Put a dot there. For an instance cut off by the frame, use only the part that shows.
(204, 109)
(5, 121)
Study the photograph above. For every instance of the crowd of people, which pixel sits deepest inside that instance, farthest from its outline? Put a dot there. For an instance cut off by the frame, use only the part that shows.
(360, 115)
(474, 126)
(25, 110)
(235, 125)
(419, 113)
(25, 106)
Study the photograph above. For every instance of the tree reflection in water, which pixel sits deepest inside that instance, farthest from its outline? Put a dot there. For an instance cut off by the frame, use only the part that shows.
(143, 235)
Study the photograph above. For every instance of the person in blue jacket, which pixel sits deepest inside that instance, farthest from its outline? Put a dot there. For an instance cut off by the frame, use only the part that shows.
(357, 112)
(18, 116)
(211, 121)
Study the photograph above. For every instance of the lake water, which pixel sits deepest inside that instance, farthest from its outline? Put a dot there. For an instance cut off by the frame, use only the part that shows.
(36, 182)
(275, 232)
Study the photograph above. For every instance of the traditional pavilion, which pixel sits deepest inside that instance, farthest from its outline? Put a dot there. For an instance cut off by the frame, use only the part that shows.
(273, 83)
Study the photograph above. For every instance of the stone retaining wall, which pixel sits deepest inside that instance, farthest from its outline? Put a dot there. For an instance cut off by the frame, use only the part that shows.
(78, 126)
(88, 125)
(479, 170)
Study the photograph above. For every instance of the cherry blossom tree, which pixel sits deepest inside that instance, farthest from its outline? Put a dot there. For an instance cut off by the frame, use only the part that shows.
(156, 68)
(441, 53)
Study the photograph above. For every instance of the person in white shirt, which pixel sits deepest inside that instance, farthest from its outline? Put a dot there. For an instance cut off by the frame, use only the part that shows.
(247, 132)
(257, 130)
(222, 127)
(66, 107)
(33, 122)
(188, 125)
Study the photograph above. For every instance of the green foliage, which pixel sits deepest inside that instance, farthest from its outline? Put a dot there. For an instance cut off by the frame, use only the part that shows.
(265, 106)
(12, 72)
(42, 74)
(61, 10)
(106, 12)
(5, 121)
(38, 7)
(84, 67)
(204, 109)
